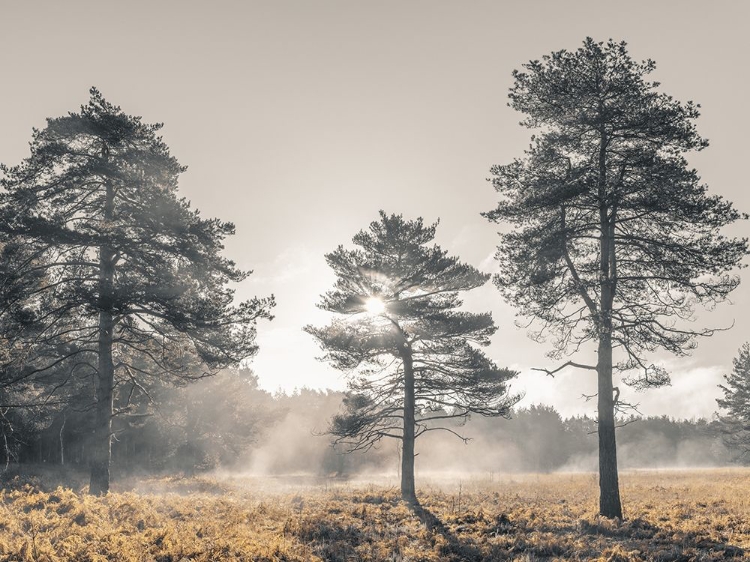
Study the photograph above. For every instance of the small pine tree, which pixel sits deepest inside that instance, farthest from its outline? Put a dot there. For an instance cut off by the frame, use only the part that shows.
(409, 353)
(736, 402)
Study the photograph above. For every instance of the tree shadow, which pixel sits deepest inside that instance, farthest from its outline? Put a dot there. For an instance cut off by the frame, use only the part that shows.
(663, 543)
(455, 548)
(45, 478)
(546, 540)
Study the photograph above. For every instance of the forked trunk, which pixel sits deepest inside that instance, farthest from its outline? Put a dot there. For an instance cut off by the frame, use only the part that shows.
(408, 490)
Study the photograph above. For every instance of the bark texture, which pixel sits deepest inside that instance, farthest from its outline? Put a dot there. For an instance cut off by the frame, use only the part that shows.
(408, 491)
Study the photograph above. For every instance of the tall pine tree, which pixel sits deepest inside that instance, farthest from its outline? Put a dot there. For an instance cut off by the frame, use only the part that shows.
(614, 238)
(135, 284)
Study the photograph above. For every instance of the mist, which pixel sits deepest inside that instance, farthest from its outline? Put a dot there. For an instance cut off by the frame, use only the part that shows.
(227, 425)
(292, 440)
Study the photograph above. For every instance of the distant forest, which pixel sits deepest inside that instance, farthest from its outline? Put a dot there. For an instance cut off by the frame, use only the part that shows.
(228, 422)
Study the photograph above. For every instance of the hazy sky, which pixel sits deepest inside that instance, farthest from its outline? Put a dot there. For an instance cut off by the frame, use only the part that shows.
(300, 120)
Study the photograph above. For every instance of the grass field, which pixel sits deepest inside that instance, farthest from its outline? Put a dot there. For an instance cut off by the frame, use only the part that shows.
(670, 516)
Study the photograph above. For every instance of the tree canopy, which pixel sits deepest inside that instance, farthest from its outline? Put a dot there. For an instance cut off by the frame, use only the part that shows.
(614, 238)
(410, 353)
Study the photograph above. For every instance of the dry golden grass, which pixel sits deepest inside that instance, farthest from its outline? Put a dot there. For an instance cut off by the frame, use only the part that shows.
(670, 516)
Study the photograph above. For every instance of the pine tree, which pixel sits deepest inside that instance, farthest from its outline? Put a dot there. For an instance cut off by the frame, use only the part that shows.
(736, 402)
(613, 237)
(134, 281)
(410, 354)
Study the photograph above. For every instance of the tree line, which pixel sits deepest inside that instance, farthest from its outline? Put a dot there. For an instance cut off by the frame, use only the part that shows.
(115, 289)
(228, 423)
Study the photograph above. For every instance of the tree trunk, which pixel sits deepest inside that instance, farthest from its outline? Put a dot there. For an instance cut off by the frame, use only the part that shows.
(609, 489)
(101, 450)
(62, 441)
(7, 451)
(408, 490)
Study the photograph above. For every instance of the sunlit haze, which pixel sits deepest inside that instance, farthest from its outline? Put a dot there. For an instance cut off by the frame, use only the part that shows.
(375, 306)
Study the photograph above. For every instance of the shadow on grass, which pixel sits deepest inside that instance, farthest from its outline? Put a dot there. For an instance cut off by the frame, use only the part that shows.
(663, 544)
(43, 477)
(628, 540)
(455, 548)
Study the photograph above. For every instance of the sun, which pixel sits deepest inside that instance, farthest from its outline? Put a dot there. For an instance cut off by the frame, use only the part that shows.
(374, 306)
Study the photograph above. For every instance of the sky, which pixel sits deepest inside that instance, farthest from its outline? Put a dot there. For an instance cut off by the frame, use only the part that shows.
(299, 120)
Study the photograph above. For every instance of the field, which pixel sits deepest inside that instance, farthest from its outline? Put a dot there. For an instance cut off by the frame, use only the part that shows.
(670, 516)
